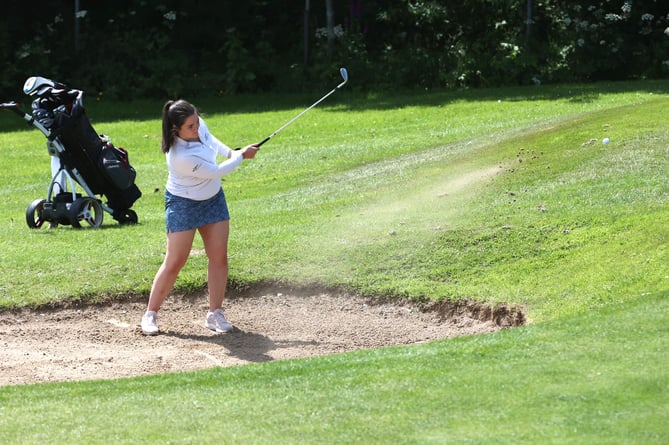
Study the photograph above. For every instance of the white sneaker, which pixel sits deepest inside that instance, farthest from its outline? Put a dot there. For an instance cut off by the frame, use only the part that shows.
(216, 322)
(150, 323)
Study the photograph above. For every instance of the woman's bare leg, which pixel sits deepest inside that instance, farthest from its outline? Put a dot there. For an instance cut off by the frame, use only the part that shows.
(176, 255)
(215, 237)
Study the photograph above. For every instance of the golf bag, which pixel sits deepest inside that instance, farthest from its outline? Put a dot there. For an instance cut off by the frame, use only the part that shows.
(80, 157)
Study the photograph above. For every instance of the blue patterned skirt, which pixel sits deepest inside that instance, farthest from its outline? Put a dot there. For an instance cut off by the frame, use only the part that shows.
(188, 214)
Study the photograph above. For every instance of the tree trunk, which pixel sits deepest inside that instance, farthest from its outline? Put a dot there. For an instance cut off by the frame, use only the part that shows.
(307, 12)
(329, 17)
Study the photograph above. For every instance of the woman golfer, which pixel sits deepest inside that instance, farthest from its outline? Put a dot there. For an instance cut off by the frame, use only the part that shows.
(194, 201)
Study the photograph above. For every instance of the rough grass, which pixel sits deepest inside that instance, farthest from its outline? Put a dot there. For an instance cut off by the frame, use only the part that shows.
(345, 195)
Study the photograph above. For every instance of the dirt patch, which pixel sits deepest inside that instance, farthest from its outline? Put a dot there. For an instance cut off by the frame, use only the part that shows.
(105, 341)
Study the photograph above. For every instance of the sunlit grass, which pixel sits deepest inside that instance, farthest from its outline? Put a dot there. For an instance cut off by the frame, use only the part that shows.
(378, 194)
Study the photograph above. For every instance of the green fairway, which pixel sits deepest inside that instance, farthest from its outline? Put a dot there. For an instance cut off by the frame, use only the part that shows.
(501, 196)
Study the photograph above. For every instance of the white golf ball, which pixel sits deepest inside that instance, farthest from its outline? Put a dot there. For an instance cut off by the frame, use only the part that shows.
(606, 141)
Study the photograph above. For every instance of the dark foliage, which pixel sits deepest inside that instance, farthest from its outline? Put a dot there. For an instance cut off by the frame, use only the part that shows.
(169, 48)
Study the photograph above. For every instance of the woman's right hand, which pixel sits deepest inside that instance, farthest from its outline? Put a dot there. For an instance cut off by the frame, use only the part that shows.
(249, 152)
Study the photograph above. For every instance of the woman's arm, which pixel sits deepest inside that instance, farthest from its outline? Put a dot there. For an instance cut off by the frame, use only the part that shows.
(194, 165)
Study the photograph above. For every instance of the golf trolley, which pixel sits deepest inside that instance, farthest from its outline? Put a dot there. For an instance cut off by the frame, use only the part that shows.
(79, 157)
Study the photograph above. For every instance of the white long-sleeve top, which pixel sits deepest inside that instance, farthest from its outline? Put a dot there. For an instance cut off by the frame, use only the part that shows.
(193, 170)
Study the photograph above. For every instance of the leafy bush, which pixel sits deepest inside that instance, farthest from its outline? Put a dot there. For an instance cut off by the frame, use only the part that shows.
(149, 49)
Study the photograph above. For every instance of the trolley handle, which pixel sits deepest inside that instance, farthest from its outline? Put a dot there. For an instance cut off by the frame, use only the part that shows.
(13, 106)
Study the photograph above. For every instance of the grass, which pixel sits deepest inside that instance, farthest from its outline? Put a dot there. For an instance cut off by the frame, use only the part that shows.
(342, 179)
(504, 195)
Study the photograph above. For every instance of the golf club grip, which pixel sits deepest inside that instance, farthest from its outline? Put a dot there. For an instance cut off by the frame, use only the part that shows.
(259, 144)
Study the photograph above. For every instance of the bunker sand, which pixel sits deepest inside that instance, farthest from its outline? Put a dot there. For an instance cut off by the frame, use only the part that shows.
(105, 342)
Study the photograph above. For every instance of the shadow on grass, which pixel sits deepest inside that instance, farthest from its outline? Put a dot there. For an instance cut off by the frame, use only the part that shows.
(145, 109)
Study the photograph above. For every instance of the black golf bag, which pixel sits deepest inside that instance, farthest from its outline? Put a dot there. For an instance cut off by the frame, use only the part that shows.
(80, 156)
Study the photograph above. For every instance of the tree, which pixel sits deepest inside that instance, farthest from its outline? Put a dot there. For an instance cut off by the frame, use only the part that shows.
(135, 48)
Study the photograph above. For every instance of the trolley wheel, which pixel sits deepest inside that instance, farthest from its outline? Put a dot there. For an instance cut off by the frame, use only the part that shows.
(88, 210)
(126, 217)
(34, 214)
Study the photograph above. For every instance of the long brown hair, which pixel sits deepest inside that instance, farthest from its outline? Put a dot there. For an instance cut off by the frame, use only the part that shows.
(175, 112)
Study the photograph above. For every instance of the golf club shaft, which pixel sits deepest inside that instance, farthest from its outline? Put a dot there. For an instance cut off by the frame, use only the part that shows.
(344, 75)
(296, 117)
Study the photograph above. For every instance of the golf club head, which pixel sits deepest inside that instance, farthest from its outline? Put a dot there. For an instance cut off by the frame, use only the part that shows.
(344, 75)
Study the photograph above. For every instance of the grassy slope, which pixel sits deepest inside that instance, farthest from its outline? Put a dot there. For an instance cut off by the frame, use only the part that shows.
(341, 180)
(547, 218)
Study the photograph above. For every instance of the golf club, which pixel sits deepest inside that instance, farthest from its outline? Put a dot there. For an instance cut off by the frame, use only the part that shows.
(344, 75)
